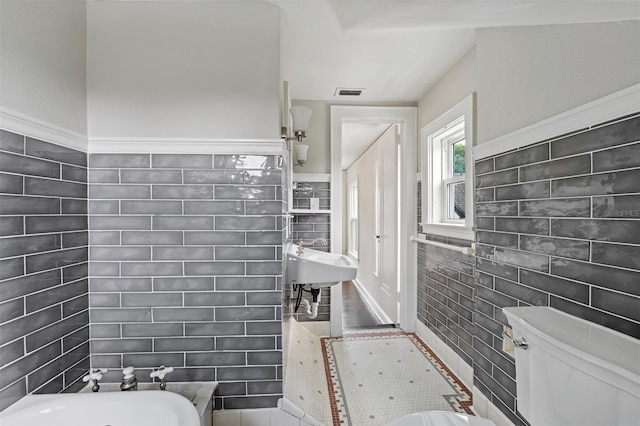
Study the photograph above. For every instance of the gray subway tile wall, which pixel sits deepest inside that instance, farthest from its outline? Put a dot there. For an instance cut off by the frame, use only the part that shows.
(44, 318)
(571, 248)
(186, 268)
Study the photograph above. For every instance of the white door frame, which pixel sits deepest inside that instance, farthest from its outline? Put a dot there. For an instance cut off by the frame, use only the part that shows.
(406, 117)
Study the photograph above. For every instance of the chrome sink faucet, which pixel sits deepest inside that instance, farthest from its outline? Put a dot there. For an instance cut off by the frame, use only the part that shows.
(302, 243)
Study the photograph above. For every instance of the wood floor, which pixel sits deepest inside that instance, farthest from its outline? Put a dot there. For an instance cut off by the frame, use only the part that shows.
(356, 313)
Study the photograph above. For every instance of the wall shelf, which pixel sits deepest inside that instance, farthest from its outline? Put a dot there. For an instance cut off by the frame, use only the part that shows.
(309, 211)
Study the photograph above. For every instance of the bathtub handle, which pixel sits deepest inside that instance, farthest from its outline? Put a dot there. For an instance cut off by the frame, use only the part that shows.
(95, 374)
(518, 343)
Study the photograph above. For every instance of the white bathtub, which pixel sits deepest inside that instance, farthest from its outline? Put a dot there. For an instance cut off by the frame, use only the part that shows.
(140, 408)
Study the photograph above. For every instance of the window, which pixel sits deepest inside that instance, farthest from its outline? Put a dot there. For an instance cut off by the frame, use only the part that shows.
(353, 219)
(447, 171)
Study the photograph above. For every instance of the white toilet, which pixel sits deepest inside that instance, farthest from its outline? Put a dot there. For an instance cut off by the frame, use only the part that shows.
(570, 372)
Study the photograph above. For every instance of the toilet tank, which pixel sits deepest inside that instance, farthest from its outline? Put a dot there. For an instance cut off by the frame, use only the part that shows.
(574, 372)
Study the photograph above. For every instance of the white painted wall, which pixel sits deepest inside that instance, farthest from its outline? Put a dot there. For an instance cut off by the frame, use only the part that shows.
(183, 70)
(43, 61)
(527, 74)
(318, 139)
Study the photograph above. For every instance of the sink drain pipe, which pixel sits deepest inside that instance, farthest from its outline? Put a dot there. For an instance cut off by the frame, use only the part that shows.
(311, 309)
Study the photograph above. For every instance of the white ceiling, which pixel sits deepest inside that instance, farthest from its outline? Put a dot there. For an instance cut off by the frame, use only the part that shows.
(397, 49)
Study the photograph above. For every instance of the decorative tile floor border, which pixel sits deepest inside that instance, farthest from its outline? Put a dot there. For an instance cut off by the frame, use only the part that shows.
(458, 400)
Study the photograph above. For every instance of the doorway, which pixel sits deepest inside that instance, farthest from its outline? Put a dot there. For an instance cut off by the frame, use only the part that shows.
(393, 220)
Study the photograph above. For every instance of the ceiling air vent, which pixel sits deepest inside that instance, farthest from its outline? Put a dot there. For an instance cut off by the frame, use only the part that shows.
(341, 91)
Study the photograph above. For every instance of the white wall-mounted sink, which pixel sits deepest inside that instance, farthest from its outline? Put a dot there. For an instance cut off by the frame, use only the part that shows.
(318, 268)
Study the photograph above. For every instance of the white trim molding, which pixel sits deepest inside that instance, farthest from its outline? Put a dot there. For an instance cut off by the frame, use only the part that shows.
(16, 122)
(186, 146)
(610, 107)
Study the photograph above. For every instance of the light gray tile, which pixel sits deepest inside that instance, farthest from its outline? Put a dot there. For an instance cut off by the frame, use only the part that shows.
(120, 253)
(216, 359)
(263, 177)
(104, 300)
(104, 176)
(118, 192)
(110, 346)
(249, 313)
(245, 343)
(485, 223)
(151, 269)
(151, 176)
(120, 284)
(216, 298)
(265, 223)
(214, 268)
(183, 284)
(245, 253)
(180, 344)
(107, 361)
(269, 328)
(215, 238)
(214, 176)
(264, 298)
(182, 223)
(237, 192)
(213, 207)
(258, 162)
(119, 223)
(182, 314)
(151, 207)
(151, 238)
(245, 283)
(209, 329)
(104, 206)
(105, 269)
(183, 253)
(153, 360)
(119, 161)
(120, 315)
(264, 207)
(103, 238)
(152, 330)
(264, 268)
(135, 300)
(264, 238)
(182, 161)
(182, 192)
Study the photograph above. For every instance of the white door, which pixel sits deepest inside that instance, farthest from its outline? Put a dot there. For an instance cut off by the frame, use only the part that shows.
(386, 187)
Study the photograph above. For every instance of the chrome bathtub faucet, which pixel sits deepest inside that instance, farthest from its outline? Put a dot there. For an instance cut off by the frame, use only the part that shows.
(302, 243)
(129, 381)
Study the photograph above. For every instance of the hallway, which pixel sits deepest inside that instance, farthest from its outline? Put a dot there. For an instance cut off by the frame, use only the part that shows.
(356, 312)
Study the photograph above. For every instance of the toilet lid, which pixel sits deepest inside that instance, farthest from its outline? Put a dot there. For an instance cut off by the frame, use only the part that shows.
(440, 418)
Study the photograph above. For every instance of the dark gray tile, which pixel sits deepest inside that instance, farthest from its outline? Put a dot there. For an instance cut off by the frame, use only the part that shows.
(598, 184)
(183, 284)
(55, 295)
(569, 289)
(616, 303)
(11, 225)
(522, 259)
(29, 363)
(151, 238)
(74, 306)
(235, 177)
(119, 223)
(523, 226)
(627, 256)
(19, 164)
(182, 223)
(24, 205)
(504, 177)
(506, 208)
(11, 184)
(151, 299)
(120, 161)
(238, 192)
(182, 314)
(75, 207)
(497, 239)
(75, 173)
(495, 298)
(484, 166)
(106, 191)
(131, 269)
(152, 330)
(28, 284)
(78, 337)
(216, 298)
(264, 298)
(534, 154)
(153, 360)
(624, 157)
(11, 310)
(484, 195)
(613, 278)
(180, 344)
(558, 168)
(248, 313)
(104, 175)
(263, 177)
(215, 238)
(245, 253)
(209, 329)
(622, 231)
(264, 238)
(75, 272)
(106, 346)
(498, 269)
(265, 328)
(214, 268)
(264, 223)
(16, 246)
(620, 207)
(57, 259)
(257, 162)
(11, 142)
(570, 207)
(213, 207)
(183, 253)
(523, 191)
(56, 331)
(38, 148)
(245, 283)
(574, 249)
(181, 161)
(120, 315)
(607, 136)
(120, 284)
(267, 401)
(150, 176)
(150, 207)
(182, 192)
(28, 324)
(120, 253)
(216, 359)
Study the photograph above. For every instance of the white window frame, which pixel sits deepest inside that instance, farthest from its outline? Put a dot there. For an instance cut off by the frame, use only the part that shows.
(353, 240)
(435, 165)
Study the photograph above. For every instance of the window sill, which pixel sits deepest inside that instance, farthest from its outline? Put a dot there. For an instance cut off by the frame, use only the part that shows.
(452, 231)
